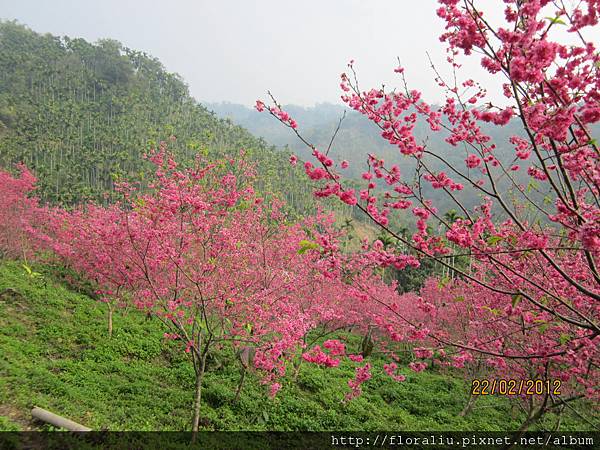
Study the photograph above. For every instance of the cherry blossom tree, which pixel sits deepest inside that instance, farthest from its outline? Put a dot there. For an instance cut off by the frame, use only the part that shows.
(200, 251)
(19, 209)
(533, 239)
(205, 255)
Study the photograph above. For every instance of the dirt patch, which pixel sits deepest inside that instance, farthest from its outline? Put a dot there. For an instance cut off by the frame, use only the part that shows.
(13, 298)
(17, 416)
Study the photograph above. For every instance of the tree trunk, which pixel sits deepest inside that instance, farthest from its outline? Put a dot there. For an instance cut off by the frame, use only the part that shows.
(198, 398)
(559, 419)
(528, 422)
(297, 369)
(56, 420)
(469, 406)
(110, 320)
(531, 419)
(239, 388)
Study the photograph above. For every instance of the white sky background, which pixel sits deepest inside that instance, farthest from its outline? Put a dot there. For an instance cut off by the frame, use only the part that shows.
(236, 50)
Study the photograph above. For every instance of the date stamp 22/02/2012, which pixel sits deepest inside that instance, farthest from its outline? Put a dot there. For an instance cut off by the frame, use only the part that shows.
(515, 387)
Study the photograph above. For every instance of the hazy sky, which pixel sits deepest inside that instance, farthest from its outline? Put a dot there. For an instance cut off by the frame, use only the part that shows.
(236, 50)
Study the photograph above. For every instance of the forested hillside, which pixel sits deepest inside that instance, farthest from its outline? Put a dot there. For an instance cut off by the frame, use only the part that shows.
(81, 115)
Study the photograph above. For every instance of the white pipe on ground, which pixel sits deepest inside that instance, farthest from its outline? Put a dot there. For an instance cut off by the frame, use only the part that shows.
(58, 421)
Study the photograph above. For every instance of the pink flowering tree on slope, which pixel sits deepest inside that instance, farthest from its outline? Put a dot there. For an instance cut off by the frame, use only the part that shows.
(200, 251)
(19, 210)
(494, 327)
(326, 292)
(531, 292)
(533, 261)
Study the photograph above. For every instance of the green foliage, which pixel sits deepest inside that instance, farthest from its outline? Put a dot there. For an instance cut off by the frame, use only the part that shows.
(307, 245)
(411, 279)
(8, 425)
(516, 299)
(493, 240)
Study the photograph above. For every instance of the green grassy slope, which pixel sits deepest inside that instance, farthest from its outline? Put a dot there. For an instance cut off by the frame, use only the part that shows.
(55, 353)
